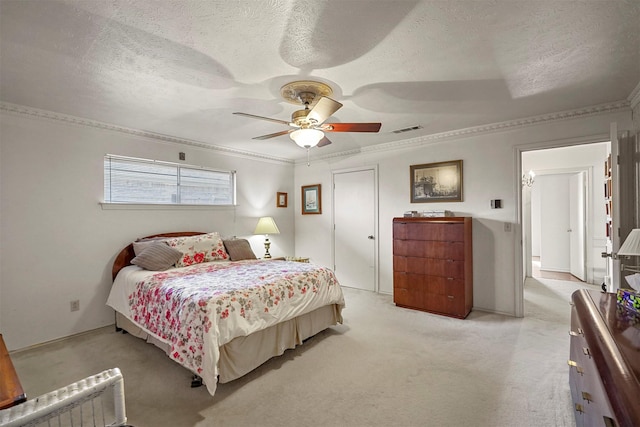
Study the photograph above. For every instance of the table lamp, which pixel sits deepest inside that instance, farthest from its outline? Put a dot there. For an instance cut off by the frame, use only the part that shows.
(266, 225)
(631, 247)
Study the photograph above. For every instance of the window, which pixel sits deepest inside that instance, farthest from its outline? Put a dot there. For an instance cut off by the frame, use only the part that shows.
(129, 180)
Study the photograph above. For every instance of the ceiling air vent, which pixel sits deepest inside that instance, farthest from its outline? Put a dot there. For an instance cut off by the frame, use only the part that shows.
(407, 129)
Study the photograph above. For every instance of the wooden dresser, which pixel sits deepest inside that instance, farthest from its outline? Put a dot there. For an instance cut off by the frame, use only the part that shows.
(433, 265)
(11, 392)
(604, 361)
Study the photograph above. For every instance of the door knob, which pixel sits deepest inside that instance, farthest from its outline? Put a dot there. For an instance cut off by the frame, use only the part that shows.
(370, 237)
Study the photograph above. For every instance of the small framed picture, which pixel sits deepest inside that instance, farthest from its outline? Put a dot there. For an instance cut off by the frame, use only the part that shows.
(311, 199)
(281, 200)
(436, 182)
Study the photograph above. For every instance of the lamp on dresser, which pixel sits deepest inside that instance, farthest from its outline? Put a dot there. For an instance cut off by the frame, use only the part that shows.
(631, 247)
(630, 298)
(266, 225)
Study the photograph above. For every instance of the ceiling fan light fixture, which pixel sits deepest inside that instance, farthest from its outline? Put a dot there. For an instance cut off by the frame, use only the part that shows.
(307, 138)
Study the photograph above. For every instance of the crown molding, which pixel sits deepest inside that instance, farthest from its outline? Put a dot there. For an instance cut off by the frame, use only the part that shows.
(634, 96)
(634, 99)
(50, 115)
(509, 125)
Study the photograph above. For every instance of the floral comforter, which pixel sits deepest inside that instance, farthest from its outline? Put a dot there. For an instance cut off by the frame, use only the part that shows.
(199, 308)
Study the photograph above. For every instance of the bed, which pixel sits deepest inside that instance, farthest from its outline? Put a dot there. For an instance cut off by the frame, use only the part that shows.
(217, 310)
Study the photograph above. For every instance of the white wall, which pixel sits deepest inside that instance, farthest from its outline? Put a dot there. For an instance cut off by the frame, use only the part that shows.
(58, 244)
(490, 172)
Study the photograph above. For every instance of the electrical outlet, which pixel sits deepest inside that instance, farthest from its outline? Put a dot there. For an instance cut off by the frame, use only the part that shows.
(75, 305)
(507, 227)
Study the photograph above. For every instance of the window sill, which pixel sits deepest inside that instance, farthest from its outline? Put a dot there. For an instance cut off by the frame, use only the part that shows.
(151, 206)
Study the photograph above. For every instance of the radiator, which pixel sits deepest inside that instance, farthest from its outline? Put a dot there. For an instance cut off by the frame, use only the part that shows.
(97, 400)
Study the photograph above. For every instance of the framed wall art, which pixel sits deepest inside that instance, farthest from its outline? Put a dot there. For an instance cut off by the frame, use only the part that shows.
(436, 182)
(311, 199)
(281, 200)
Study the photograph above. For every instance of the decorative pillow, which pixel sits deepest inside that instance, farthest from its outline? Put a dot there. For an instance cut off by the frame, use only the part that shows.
(198, 249)
(140, 244)
(157, 257)
(239, 249)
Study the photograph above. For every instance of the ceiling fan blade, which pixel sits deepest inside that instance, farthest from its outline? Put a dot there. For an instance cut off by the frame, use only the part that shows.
(273, 135)
(323, 110)
(324, 141)
(263, 118)
(351, 127)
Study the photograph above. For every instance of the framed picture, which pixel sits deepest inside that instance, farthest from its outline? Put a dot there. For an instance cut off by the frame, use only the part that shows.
(281, 200)
(311, 199)
(436, 182)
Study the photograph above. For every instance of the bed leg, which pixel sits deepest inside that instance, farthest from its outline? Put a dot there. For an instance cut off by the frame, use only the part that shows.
(196, 381)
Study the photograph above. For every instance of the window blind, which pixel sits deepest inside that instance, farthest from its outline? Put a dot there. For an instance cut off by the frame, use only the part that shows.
(131, 180)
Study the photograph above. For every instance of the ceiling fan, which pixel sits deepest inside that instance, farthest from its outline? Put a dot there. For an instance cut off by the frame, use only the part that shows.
(308, 125)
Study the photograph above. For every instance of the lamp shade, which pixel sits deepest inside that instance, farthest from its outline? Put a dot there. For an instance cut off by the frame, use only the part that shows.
(307, 138)
(631, 245)
(266, 225)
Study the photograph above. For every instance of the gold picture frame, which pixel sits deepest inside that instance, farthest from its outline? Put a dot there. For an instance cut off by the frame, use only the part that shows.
(436, 182)
(311, 199)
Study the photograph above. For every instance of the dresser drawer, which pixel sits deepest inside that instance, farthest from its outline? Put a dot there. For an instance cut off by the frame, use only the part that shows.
(450, 304)
(448, 268)
(426, 231)
(429, 249)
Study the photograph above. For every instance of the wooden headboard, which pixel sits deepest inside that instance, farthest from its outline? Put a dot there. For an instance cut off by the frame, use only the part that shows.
(126, 255)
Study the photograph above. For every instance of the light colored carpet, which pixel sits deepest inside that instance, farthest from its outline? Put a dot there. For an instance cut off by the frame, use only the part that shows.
(384, 366)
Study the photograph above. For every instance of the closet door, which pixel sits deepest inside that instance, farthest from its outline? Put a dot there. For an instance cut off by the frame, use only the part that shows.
(354, 195)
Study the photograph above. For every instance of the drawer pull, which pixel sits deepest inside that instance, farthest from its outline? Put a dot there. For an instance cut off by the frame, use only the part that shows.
(579, 408)
(586, 396)
(449, 278)
(578, 368)
(576, 332)
(586, 352)
(450, 296)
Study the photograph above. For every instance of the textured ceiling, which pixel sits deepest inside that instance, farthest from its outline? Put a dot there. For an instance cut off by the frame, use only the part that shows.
(180, 68)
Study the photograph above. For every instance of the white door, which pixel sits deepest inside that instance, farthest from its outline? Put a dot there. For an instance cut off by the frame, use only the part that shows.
(577, 225)
(355, 247)
(554, 222)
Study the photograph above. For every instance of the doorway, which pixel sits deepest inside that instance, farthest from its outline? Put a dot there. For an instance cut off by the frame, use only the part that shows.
(562, 210)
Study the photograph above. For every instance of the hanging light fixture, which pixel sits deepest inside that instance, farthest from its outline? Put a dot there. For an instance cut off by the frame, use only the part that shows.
(307, 138)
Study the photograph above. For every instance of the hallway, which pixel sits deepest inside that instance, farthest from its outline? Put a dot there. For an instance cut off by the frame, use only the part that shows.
(543, 274)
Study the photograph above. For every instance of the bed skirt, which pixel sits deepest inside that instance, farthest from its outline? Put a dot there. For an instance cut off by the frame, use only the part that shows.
(243, 354)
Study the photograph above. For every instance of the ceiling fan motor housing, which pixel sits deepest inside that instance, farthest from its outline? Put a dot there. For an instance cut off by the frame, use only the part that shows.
(299, 118)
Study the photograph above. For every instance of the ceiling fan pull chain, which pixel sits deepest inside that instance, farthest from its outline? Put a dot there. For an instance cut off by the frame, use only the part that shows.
(308, 162)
